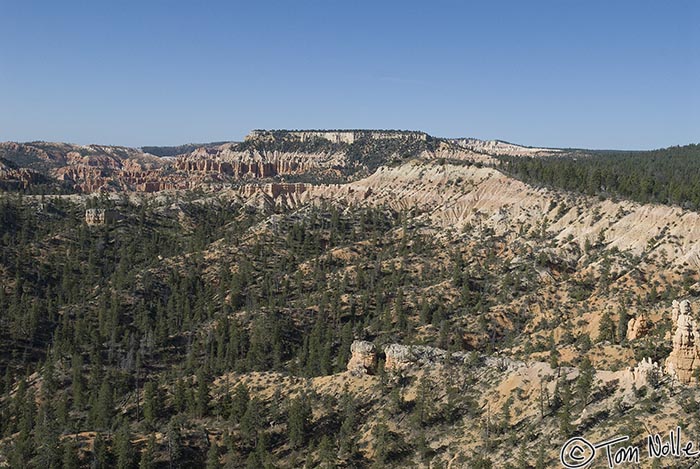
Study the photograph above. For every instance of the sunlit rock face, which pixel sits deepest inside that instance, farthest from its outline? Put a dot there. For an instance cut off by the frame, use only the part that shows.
(363, 359)
(685, 357)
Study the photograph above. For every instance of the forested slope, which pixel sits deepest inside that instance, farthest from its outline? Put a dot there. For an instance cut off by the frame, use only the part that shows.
(667, 176)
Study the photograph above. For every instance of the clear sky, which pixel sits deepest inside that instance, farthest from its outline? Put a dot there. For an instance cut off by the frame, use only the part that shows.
(595, 74)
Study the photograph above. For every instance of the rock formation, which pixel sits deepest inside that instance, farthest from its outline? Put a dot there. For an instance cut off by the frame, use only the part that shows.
(12, 177)
(229, 160)
(363, 359)
(496, 147)
(400, 357)
(685, 356)
(637, 327)
(333, 136)
(640, 373)
(280, 155)
(99, 216)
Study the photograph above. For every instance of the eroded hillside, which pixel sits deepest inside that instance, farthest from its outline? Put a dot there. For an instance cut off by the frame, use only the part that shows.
(431, 312)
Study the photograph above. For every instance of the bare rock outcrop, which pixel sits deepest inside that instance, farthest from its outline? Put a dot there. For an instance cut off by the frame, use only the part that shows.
(637, 327)
(363, 359)
(400, 357)
(12, 177)
(685, 356)
(642, 372)
(228, 160)
(334, 136)
(99, 216)
(497, 147)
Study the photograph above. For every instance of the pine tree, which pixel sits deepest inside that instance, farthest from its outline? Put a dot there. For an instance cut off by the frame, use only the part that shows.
(326, 453)
(344, 349)
(105, 406)
(381, 445)
(100, 455)
(425, 405)
(564, 414)
(348, 432)
(123, 449)
(179, 396)
(606, 329)
(148, 454)
(298, 420)
(46, 435)
(553, 354)
(150, 406)
(239, 403)
(202, 394)
(70, 454)
(253, 461)
(174, 437)
(400, 312)
(541, 462)
(213, 456)
(421, 445)
(623, 320)
(584, 383)
(251, 422)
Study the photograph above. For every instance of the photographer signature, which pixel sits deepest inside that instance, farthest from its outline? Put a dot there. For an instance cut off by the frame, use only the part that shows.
(578, 452)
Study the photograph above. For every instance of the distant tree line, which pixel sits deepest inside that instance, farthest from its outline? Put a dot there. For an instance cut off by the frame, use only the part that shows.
(667, 176)
(177, 149)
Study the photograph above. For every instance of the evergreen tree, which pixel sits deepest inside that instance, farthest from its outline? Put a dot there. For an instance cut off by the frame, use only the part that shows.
(78, 382)
(564, 414)
(553, 354)
(326, 453)
(150, 404)
(623, 320)
(251, 422)
(584, 383)
(148, 454)
(202, 394)
(46, 435)
(380, 437)
(100, 455)
(425, 406)
(123, 448)
(606, 329)
(541, 462)
(174, 438)
(213, 456)
(70, 454)
(105, 406)
(239, 403)
(179, 397)
(298, 420)
(348, 427)
(400, 311)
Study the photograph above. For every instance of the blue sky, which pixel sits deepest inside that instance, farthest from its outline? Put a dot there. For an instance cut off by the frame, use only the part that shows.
(595, 74)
